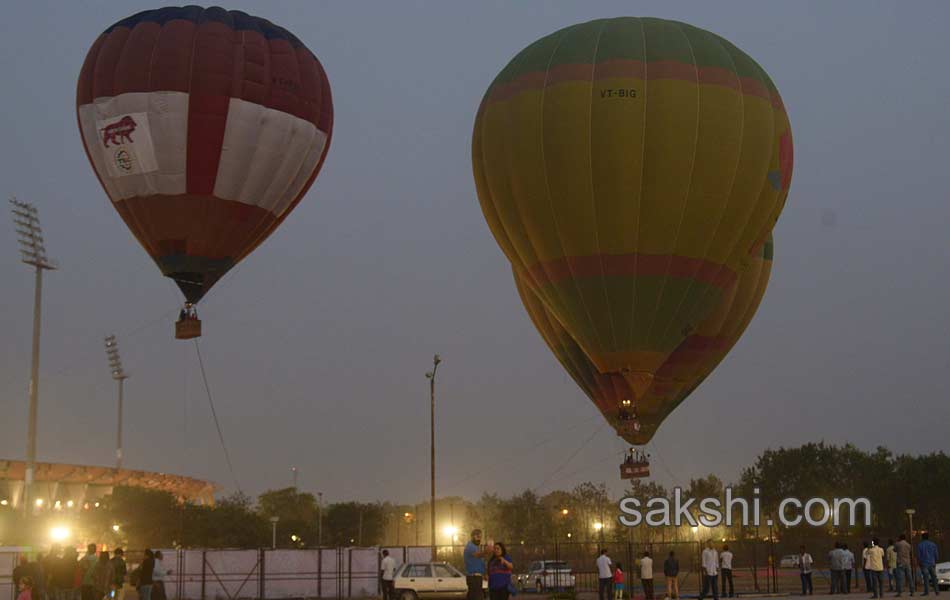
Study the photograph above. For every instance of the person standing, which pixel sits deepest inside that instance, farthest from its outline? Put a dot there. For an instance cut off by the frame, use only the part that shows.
(38, 574)
(474, 566)
(20, 571)
(387, 573)
(927, 560)
(50, 565)
(88, 567)
(646, 575)
(499, 573)
(836, 566)
(865, 568)
(604, 575)
(64, 574)
(25, 588)
(146, 571)
(671, 570)
(849, 566)
(158, 576)
(904, 573)
(102, 576)
(725, 560)
(119, 569)
(710, 571)
(875, 568)
(618, 582)
(805, 562)
(890, 556)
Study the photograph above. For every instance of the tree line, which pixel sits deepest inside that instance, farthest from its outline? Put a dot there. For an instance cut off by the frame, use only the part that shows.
(139, 518)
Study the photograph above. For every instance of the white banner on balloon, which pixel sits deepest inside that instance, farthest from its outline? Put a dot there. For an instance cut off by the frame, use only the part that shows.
(126, 144)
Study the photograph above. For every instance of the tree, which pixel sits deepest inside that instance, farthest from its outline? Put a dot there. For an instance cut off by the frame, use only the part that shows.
(297, 513)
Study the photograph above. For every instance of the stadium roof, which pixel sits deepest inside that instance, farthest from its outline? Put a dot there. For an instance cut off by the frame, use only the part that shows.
(187, 488)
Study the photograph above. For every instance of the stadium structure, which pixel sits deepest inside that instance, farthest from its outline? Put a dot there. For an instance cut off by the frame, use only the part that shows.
(58, 486)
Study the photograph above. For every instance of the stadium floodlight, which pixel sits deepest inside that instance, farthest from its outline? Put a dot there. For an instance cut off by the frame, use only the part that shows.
(26, 222)
(119, 375)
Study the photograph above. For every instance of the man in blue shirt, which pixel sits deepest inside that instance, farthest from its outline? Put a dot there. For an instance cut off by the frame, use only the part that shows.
(927, 559)
(475, 566)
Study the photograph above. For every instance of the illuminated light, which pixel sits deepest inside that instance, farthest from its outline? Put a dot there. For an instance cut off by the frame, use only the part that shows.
(58, 534)
(86, 506)
(58, 505)
(450, 531)
(352, 540)
(39, 502)
(695, 529)
(115, 528)
(4, 502)
(598, 526)
(724, 539)
(570, 535)
(96, 505)
(294, 537)
(70, 504)
(564, 511)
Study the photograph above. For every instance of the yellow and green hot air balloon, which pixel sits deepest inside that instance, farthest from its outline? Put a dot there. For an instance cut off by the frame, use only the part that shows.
(685, 368)
(629, 168)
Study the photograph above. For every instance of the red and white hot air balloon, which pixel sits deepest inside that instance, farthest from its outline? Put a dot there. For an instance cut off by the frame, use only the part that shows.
(205, 127)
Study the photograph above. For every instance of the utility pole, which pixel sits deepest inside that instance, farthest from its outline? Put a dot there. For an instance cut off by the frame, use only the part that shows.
(431, 377)
(26, 221)
(118, 374)
(293, 470)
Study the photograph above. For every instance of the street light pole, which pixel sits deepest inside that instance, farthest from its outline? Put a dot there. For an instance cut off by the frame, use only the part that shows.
(273, 523)
(32, 252)
(431, 376)
(319, 519)
(118, 374)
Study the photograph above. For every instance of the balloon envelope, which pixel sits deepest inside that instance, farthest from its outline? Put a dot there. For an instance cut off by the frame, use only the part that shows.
(205, 127)
(685, 368)
(628, 168)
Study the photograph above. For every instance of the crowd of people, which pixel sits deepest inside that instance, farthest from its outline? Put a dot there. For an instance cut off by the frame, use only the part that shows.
(892, 562)
(62, 574)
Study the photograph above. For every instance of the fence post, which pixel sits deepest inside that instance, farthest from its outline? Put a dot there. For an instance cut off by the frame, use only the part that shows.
(319, 572)
(349, 572)
(702, 570)
(261, 555)
(204, 566)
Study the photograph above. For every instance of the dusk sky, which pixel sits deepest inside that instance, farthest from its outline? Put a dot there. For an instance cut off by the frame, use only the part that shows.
(317, 344)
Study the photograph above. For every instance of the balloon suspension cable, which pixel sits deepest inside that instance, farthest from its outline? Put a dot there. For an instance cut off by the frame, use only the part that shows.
(214, 414)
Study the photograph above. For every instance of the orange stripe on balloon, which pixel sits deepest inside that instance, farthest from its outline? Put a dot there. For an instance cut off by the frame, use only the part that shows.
(634, 69)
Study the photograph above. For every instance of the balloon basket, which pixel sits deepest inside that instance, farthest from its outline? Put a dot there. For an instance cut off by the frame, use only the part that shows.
(635, 470)
(188, 328)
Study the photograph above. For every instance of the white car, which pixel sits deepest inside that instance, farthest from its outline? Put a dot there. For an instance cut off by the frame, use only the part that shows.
(424, 580)
(943, 575)
(789, 561)
(544, 575)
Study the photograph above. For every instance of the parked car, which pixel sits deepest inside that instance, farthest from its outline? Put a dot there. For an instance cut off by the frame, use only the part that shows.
(544, 575)
(789, 561)
(424, 580)
(943, 575)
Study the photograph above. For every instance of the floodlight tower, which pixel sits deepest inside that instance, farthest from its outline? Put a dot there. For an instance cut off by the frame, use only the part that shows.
(26, 221)
(118, 374)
